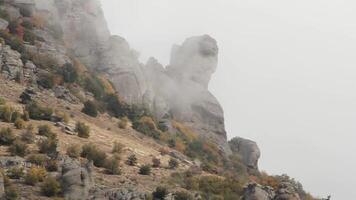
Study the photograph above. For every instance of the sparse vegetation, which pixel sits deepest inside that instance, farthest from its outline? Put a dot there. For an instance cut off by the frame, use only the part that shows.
(7, 137)
(160, 193)
(20, 123)
(18, 148)
(112, 166)
(183, 196)
(82, 129)
(147, 126)
(28, 135)
(156, 162)
(74, 151)
(52, 165)
(37, 159)
(38, 112)
(173, 163)
(90, 108)
(145, 170)
(117, 148)
(132, 160)
(48, 146)
(123, 123)
(6, 113)
(51, 187)
(91, 152)
(35, 175)
(15, 173)
(11, 192)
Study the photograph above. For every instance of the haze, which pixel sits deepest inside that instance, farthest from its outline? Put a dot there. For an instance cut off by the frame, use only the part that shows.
(286, 76)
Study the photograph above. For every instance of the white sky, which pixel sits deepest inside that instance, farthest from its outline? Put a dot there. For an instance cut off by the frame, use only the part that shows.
(286, 75)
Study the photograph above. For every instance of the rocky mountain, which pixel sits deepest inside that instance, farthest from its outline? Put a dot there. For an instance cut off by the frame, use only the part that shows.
(75, 101)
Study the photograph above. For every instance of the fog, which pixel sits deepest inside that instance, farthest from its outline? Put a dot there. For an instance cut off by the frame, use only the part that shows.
(286, 76)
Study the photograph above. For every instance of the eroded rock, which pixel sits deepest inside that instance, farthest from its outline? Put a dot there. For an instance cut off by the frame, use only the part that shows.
(248, 150)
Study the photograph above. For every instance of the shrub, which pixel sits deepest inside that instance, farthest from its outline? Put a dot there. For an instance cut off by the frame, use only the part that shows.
(145, 170)
(15, 173)
(48, 146)
(37, 159)
(6, 113)
(90, 109)
(26, 116)
(160, 193)
(156, 162)
(124, 123)
(117, 148)
(15, 115)
(35, 175)
(69, 73)
(18, 148)
(147, 126)
(7, 137)
(183, 196)
(91, 152)
(93, 85)
(19, 123)
(2, 101)
(132, 160)
(112, 166)
(46, 130)
(173, 163)
(29, 37)
(38, 112)
(46, 80)
(82, 129)
(164, 151)
(74, 151)
(28, 135)
(11, 193)
(50, 187)
(52, 165)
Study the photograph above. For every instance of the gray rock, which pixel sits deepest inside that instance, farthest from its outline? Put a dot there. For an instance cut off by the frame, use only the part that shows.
(11, 161)
(11, 63)
(77, 180)
(2, 187)
(28, 95)
(254, 191)
(63, 93)
(286, 191)
(66, 128)
(248, 150)
(118, 194)
(3, 24)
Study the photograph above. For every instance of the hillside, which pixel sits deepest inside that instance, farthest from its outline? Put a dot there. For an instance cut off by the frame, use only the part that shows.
(82, 118)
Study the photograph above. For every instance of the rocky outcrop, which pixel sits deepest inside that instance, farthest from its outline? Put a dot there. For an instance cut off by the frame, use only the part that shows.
(248, 150)
(3, 24)
(286, 191)
(77, 180)
(254, 191)
(118, 194)
(10, 62)
(11, 161)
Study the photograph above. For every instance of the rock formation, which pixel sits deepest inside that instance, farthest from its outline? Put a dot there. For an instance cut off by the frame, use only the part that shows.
(248, 150)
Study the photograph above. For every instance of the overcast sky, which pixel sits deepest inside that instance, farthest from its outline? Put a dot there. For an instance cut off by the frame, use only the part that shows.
(286, 76)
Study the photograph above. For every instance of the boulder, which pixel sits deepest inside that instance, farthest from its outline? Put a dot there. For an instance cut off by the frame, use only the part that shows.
(248, 150)
(77, 180)
(28, 95)
(11, 161)
(11, 63)
(254, 191)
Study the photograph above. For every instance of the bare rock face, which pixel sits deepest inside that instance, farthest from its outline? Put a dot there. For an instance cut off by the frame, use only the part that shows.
(248, 150)
(10, 62)
(184, 96)
(76, 179)
(286, 191)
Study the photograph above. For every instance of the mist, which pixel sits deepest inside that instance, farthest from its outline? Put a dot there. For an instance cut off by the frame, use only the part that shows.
(286, 76)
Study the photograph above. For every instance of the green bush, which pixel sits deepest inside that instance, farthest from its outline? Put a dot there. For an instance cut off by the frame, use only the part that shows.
(19, 123)
(91, 152)
(93, 85)
(132, 160)
(35, 175)
(50, 187)
(90, 109)
(7, 137)
(145, 170)
(74, 151)
(29, 37)
(14, 42)
(11, 193)
(15, 115)
(38, 112)
(82, 129)
(15, 173)
(183, 196)
(48, 146)
(173, 163)
(45, 130)
(46, 80)
(18, 148)
(112, 166)
(147, 126)
(37, 159)
(160, 193)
